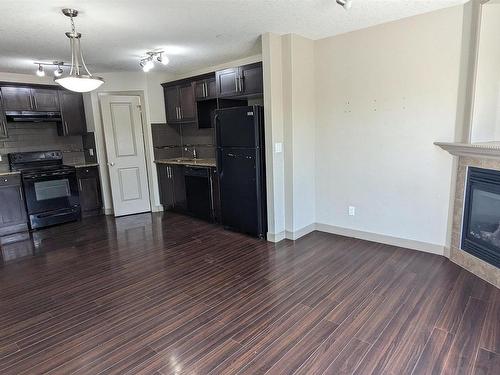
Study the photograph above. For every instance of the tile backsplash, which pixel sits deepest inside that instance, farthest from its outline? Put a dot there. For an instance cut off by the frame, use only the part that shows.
(40, 136)
(169, 141)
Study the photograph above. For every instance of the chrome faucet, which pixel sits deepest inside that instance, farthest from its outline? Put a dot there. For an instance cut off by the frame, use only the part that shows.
(193, 150)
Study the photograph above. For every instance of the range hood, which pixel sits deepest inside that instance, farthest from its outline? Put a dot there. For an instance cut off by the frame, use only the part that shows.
(33, 116)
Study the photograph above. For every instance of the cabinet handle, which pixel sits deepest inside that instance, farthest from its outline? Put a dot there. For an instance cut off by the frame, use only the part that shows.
(66, 128)
(80, 185)
(31, 102)
(21, 194)
(3, 125)
(205, 88)
(236, 84)
(34, 102)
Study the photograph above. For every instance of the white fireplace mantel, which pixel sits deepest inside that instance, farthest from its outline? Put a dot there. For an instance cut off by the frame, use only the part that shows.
(485, 149)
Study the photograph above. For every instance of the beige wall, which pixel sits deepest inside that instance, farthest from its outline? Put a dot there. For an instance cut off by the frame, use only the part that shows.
(486, 114)
(366, 123)
(384, 95)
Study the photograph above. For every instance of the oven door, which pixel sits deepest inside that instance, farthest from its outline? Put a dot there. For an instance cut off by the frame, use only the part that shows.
(51, 191)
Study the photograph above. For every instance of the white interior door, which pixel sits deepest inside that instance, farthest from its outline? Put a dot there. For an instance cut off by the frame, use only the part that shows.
(122, 125)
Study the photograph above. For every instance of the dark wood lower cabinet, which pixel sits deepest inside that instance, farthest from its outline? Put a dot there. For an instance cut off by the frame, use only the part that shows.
(172, 185)
(13, 216)
(89, 188)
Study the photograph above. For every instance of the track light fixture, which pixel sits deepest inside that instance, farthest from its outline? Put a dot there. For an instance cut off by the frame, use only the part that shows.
(58, 65)
(147, 63)
(346, 4)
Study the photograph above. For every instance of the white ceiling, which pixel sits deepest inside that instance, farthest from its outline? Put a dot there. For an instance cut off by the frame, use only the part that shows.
(195, 33)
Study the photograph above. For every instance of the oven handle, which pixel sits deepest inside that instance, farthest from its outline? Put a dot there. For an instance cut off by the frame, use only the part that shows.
(48, 175)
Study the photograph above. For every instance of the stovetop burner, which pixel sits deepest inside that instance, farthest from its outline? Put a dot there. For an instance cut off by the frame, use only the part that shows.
(37, 161)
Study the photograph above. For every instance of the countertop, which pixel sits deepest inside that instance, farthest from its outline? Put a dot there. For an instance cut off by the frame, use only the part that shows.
(189, 162)
(8, 173)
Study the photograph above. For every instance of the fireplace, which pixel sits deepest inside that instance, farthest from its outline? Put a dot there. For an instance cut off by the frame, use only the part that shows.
(481, 219)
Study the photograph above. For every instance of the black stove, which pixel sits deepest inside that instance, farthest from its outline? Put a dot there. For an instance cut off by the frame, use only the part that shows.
(50, 187)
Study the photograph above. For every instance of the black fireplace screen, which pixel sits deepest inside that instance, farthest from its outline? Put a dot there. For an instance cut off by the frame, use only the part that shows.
(481, 226)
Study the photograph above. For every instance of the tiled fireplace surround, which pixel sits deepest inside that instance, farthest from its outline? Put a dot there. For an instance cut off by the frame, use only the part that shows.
(477, 266)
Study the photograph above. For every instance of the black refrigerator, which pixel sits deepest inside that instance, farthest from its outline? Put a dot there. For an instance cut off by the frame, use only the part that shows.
(241, 168)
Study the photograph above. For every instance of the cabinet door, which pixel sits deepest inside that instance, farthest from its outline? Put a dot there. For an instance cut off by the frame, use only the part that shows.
(72, 113)
(89, 189)
(3, 121)
(165, 179)
(179, 185)
(251, 79)
(17, 99)
(227, 82)
(12, 209)
(211, 88)
(200, 90)
(172, 104)
(187, 102)
(45, 99)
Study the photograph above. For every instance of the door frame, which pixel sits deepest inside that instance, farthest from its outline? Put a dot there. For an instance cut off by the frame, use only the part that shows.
(148, 151)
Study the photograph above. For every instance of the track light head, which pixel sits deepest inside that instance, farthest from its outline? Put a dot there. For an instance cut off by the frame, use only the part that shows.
(40, 72)
(346, 4)
(59, 71)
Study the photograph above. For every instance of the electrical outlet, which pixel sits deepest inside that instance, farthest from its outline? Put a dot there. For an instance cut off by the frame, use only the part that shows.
(278, 148)
(352, 211)
(91, 151)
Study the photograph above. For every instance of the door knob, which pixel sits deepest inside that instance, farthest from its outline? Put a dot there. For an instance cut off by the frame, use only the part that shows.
(111, 164)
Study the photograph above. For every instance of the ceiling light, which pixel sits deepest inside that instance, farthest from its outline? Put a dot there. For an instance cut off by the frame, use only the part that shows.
(346, 4)
(78, 80)
(40, 72)
(147, 63)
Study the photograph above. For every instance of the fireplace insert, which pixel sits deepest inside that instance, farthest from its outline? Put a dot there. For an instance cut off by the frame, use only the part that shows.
(481, 219)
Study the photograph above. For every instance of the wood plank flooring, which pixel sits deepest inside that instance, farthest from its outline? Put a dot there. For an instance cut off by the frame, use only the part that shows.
(168, 294)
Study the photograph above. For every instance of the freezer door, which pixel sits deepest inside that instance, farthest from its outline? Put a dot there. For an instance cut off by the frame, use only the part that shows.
(238, 127)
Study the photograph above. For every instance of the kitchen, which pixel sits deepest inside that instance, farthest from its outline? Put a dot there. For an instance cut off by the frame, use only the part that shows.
(196, 177)
(206, 118)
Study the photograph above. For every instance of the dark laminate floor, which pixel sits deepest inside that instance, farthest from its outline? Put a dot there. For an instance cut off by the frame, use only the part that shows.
(167, 294)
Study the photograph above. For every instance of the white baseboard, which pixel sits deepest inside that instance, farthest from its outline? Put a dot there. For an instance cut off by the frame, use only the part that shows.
(108, 211)
(275, 237)
(382, 238)
(300, 232)
(158, 208)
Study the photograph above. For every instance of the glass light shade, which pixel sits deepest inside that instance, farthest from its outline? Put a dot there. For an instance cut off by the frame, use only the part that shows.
(82, 83)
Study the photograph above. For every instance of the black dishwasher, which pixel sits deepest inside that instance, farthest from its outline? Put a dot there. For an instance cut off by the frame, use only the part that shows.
(198, 192)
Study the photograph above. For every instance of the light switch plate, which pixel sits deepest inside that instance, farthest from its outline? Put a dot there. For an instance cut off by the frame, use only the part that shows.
(278, 148)
(91, 151)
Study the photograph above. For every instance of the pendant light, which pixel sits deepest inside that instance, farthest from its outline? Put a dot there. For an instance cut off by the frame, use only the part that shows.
(79, 78)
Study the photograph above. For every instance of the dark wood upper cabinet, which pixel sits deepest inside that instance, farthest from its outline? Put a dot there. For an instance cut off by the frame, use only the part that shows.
(228, 82)
(205, 89)
(89, 188)
(171, 103)
(13, 216)
(242, 81)
(187, 102)
(72, 113)
(17, 98)
(251, 81)
(45, 99)
(180, 103)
